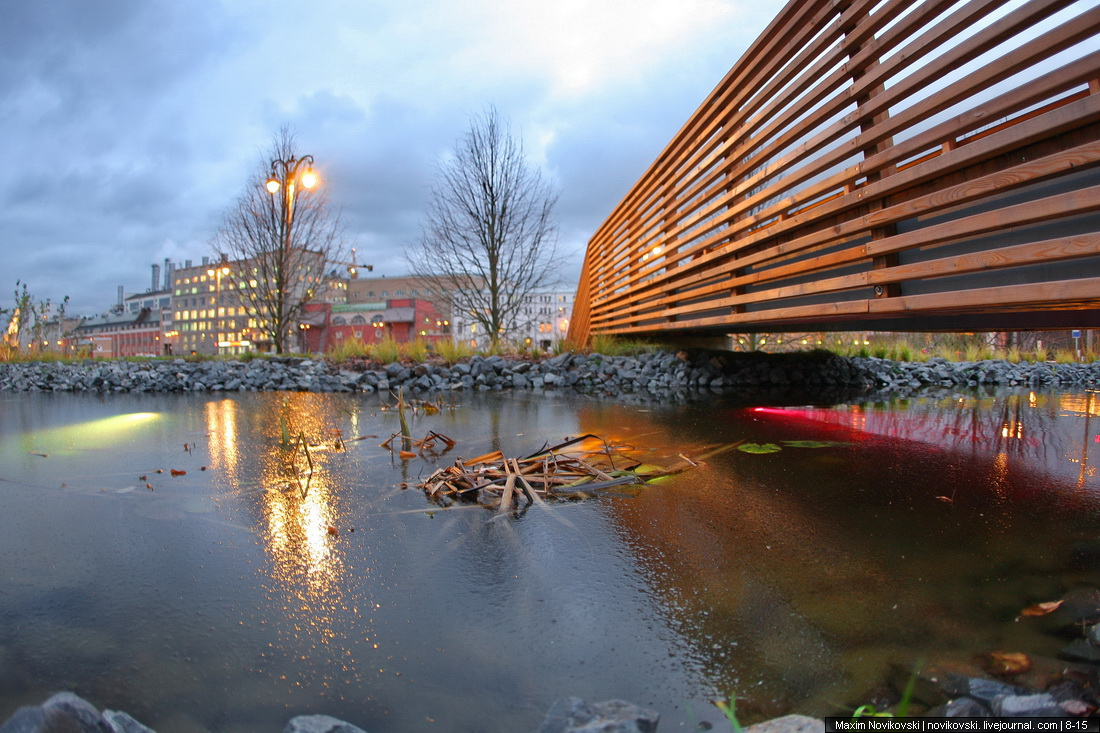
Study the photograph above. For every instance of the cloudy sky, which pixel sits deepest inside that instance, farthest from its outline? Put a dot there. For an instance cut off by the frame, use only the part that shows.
(129, 126)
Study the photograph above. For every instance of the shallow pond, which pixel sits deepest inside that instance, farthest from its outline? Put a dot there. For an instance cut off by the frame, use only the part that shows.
(234, 596)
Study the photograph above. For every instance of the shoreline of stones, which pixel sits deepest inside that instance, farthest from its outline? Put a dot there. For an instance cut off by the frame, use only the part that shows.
(660, 375)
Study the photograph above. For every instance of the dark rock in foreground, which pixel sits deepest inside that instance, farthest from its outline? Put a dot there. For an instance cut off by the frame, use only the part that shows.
(574, 715)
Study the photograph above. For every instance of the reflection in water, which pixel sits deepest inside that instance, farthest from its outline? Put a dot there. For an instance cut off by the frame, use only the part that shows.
(222, 434)
(879, 533)
(803, 575)
(1053, 430)
(298, 499)
(95, 434)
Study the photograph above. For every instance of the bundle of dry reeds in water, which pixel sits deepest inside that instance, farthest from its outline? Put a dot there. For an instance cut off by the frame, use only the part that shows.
(579, 468)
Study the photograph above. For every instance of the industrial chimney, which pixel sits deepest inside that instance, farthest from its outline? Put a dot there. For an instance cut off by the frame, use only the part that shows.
(156, 278)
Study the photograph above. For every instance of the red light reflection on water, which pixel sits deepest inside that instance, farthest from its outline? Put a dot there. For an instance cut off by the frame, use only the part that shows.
(1046, 430)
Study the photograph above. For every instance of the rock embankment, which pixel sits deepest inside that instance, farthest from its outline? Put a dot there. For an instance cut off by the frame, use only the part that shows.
(659, 375)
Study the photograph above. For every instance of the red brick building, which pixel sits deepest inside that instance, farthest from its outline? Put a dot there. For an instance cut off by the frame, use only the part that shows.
(115, 335)
(327, 325)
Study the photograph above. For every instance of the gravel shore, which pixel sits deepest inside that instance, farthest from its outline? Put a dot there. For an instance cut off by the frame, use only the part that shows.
(658, 375)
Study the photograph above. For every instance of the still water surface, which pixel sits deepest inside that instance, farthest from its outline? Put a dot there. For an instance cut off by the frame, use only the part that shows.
(220, 600)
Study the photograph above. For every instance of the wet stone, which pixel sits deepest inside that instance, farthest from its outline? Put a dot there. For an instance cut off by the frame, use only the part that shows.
(1080, 650)
(574, 715)
(1027, 706)
(963, 707)
(320, 724)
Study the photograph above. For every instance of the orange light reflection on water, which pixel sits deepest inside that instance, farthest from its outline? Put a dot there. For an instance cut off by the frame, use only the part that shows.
(297, 512)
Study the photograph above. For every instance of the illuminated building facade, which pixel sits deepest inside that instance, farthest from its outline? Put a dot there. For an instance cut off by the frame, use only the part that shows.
(207, 315)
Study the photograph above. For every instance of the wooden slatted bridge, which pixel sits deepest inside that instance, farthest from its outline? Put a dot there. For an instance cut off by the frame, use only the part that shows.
(886, 165)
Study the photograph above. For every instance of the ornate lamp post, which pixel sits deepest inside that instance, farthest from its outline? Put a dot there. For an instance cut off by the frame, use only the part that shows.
(287, 176)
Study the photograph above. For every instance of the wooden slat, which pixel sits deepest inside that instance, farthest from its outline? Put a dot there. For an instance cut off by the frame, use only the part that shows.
(777, 188)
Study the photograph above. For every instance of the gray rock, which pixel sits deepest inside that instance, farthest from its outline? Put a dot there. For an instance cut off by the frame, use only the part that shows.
(574, 715)
(979, 688)
(1027, 706)
(123, 723)
(1080, 650)
(789, 724)
(963, 707)
(65, 712)
(320, 724)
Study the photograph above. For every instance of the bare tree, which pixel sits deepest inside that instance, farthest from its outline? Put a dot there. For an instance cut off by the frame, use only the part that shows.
(489, 238)
(279, 240)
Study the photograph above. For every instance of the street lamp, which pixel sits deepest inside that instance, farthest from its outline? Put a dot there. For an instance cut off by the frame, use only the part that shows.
(287, 176)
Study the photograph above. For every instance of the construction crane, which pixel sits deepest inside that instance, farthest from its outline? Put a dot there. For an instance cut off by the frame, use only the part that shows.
(353, 268)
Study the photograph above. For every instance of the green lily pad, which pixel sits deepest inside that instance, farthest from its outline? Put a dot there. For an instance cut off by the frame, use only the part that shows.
(813, 443)
(759, 448)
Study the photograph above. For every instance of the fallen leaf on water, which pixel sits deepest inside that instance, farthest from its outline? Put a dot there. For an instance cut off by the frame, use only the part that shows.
(149, 486)
(43, 455)
(203, 468)
(143, 478)
(160, 470)
(946, 499)
(178, 473)
(407, 454)
(332, 531)
(1042, 609)
(1006, 664)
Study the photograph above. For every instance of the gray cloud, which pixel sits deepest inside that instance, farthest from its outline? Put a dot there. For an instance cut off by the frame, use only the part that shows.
(129, 126)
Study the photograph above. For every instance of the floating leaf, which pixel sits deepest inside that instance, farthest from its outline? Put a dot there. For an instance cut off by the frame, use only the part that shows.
(1006, 664)
(945, 499)
(759, 448)
(42, 455)
(178, 473)
(149, 486)
(813, 443)
(406, 454)
(1042, 609)
(333, 531)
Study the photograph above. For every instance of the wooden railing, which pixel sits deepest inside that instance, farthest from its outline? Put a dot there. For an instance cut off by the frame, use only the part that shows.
(872, 165)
